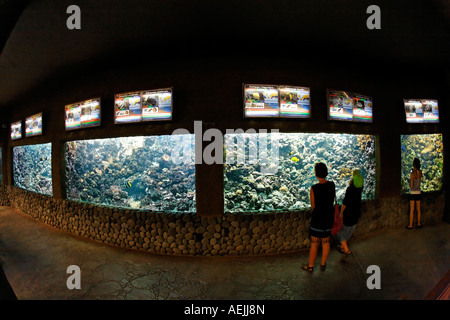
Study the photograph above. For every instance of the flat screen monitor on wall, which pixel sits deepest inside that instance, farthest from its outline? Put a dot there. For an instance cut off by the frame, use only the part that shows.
(33, 125)
(349, 106)
(421, 110)
(138, 106)
(274, 101)
(16, 130)
(83, 114)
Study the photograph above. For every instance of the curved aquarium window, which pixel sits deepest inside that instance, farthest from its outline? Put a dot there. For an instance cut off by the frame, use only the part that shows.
(266, 172)
(32, 168)
(429, 149)
(154, 173)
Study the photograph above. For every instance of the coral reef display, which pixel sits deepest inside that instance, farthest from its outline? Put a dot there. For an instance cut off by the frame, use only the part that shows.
(32, 168)
(429, 149)
(251, 186)
(132, 172)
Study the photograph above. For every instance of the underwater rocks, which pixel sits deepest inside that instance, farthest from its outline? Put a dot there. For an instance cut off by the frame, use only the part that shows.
(135, 173)
(186, 234)
(428, 148)
(287, 188)
(32, 168)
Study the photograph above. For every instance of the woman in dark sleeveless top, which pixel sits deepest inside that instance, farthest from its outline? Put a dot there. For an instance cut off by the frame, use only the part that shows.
(322, 202)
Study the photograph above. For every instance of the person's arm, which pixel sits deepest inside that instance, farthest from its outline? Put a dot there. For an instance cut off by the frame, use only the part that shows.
(342, 210)
(311, 197)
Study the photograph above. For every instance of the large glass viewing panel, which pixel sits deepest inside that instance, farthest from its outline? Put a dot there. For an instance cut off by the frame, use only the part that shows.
(32, 168)
(266, 172)
(154, 173)
(429, 149)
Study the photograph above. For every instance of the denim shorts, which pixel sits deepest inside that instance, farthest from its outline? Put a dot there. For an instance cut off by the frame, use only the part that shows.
(345, 233)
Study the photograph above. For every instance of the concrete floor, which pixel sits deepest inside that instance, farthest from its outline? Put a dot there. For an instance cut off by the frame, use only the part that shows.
(35, 258)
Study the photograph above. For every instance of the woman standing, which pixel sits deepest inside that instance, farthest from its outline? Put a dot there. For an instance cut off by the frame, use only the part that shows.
(322, 197)
(415, 194)
(350, 210)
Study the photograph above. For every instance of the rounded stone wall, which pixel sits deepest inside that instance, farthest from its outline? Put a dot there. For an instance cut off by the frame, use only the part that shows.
(194, 235)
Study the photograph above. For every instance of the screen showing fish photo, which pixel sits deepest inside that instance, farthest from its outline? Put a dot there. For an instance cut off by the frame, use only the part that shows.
(275, 171)
(83, 114)
(33, 125)
(348, 106)
(32, 168)
(421, 111)
(294, 102)
(127, 107)
(429, 149)
(155, 173)
(149, 105)
(157, 105)
(73, 116)
(16, 130)
(261, 101)
(362, 108)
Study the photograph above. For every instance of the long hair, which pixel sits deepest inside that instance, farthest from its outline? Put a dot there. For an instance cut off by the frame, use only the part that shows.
(416, 163)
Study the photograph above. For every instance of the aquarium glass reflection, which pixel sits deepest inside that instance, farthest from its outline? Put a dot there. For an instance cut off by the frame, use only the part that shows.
(142, 172)
(278, 170)
(429, 149)
(32, 168)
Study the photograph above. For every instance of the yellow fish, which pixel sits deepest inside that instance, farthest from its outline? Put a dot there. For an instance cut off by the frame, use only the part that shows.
(127, 184)
(295, 159)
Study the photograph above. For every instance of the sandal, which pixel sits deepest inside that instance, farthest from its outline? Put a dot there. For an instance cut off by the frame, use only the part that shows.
(341, 250)
(419, 226)
(308, 268)
(408, 227)
(323, 267)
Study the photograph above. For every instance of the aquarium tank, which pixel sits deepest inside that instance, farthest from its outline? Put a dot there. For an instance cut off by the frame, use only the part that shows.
(32, 168)
(429, 149)
(266, 172)
(142, 172)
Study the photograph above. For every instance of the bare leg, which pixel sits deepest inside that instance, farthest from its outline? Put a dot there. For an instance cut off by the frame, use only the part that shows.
(313, 250)
(325, 250)
(411, 213)
(418, 213)
(344, 246)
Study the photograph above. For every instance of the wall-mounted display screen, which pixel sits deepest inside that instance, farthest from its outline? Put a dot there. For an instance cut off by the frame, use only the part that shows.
(421, 111)
(349, 106)
(149, 105)
(261, 101)
(273, 101)
(83, 114)
(294, 102)
(16, 130)
(33, 125)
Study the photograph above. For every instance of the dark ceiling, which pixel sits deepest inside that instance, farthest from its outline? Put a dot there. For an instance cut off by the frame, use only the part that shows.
(38, 49)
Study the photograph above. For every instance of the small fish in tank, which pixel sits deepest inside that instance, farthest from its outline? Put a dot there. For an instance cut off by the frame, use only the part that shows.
(248, 189)
(132, 172)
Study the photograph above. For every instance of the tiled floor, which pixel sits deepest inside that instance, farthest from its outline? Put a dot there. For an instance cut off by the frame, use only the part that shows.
(35, 258)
